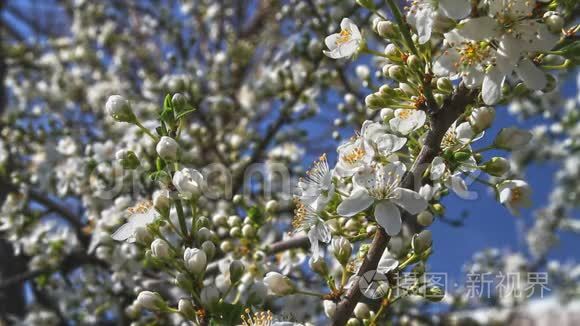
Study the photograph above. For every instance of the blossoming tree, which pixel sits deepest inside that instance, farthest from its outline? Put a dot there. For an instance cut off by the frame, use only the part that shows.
(152, 156)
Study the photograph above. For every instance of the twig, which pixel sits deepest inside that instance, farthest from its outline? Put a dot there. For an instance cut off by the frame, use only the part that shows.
(441, 120)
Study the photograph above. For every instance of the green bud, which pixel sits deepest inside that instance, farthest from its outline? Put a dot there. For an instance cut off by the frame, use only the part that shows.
(128, 159)
(497, 166)
(445, 85)
(209, 248)
(202, 222)
(178, 101)
(414, 63)
(439, 99)
(422, 241)
(397, 73)
(387, 29)
(186, 309)
(434, 294)
(461, 156)
(120, 109)
(376, 101)
(248, 231)
(439, 209)
(236, 232)
(226, 246)
(425, 218)
(237, 270)
(519, 89)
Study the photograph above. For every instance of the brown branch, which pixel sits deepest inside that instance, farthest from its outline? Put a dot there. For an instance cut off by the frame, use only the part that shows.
(440, 120)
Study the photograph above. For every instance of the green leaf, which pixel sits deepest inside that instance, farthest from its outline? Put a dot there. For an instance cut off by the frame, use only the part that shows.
(184, 113)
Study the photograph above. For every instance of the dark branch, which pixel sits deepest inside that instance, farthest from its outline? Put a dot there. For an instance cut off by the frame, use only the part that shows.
(441, 120)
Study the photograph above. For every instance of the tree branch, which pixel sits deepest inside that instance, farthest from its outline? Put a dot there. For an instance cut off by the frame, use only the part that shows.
(440, 120)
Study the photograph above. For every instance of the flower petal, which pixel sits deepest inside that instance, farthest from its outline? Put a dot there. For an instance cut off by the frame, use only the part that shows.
(389, 217)
(533, 77)
(477, 29)
(358, 201)
(491, 90)
(410, 200)
(455, 9)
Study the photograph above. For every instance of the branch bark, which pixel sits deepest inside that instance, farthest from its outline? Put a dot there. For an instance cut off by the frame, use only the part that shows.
(440, 121)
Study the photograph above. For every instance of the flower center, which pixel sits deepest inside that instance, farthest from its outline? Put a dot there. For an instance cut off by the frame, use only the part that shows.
(472, 53)
(382, 185)
(344, 36)
(140, 208)
(404, 114)
(449, 140)
(354, 156)
(516, 195)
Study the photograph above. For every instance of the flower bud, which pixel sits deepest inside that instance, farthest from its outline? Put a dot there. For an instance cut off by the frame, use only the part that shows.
(414, 63)
(444, 85)
(128, 159)
(329, 308)
(204, 234)
(481, 118)
(226, 246)
(185, 308)
(209, 296)
(195, 260)
(237, 270)
(279, 284)
(425, 218)
(318, 266)
(387, 29)
(272, 206)
(160, 249)
(361, 310)
(512, 138)
(397, 73)
(461, 156)
(178, 101)
(238, 199)
(375, 101)
(497, 166)
(341, 249)
(236, 232)
(209, 248)
(248, 231)
(407, 89)
(167, 148)
(353, 322)
(434, 294)
(150, 300)
(386, 114)
(234, 220)
(439, 209)
(554, 21)
(422, 241)
(161, 201)
(393, 53)
(120, 109)
(257, 293)
(188, 182)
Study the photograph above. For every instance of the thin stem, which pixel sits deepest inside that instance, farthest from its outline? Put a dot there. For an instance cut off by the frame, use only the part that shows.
(311, 293)
(145, 130)
(402, 26)
(377, 53)
(180, 213)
